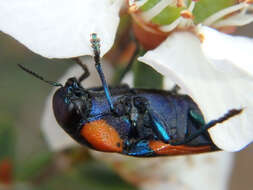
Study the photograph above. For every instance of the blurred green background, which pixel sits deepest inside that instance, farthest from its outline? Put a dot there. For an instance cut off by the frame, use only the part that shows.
(25, 158)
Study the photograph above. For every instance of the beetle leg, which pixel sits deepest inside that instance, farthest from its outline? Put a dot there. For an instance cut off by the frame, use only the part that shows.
(175, 89)
(197, 117)
(86, 72)
(122, 106)
(228, 115)
(159, 126)
(157, 123)
(95, 44)
(139, 148)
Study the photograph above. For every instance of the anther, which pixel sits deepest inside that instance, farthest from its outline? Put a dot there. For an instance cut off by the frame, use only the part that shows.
(186, 14)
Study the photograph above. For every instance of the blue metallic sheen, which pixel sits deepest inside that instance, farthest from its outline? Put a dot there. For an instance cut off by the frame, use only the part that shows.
(161, 130)
(106, 89)
(141, 149)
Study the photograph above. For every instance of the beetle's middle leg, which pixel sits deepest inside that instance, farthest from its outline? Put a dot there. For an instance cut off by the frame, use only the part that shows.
(157, 123)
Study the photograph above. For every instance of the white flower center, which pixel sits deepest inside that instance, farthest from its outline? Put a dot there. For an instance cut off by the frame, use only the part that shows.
(235, 15)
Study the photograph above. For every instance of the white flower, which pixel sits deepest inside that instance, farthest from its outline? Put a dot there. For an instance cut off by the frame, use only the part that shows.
(60, 28)
(216, 73)
(196, 172)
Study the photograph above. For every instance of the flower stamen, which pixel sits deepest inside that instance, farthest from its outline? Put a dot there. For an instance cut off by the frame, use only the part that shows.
(186, 14)
(235, 15)
(225, 12)
(172, 26)
(180, 3)
(184, 21)
(134, 5)
(151, 13)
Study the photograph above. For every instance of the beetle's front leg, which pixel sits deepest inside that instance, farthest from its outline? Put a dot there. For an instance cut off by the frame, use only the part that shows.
(86, 72)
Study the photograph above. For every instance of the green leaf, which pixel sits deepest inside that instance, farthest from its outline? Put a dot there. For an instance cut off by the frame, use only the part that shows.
(145, 76)
(205, 8)
(119, 70)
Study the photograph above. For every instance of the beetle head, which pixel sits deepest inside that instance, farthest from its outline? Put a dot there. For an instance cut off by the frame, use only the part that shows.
(71, 104)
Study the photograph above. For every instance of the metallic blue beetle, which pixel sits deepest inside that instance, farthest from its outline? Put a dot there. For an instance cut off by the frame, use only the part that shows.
(134, 122)
(143, 123)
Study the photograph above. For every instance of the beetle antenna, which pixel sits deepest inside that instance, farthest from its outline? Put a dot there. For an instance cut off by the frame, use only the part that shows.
(52, 83)
(95, 44)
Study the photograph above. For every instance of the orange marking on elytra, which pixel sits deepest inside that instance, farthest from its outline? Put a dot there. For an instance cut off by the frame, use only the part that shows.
(102, 136)
(161, 148)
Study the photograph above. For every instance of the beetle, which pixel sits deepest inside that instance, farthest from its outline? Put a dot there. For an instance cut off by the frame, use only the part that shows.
(133, 122)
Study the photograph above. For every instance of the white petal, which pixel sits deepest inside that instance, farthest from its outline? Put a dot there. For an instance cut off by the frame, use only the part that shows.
(129, 79)
(234, 50)
(196, 172)
(181, 58)
(60, 28)
(55, 136)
